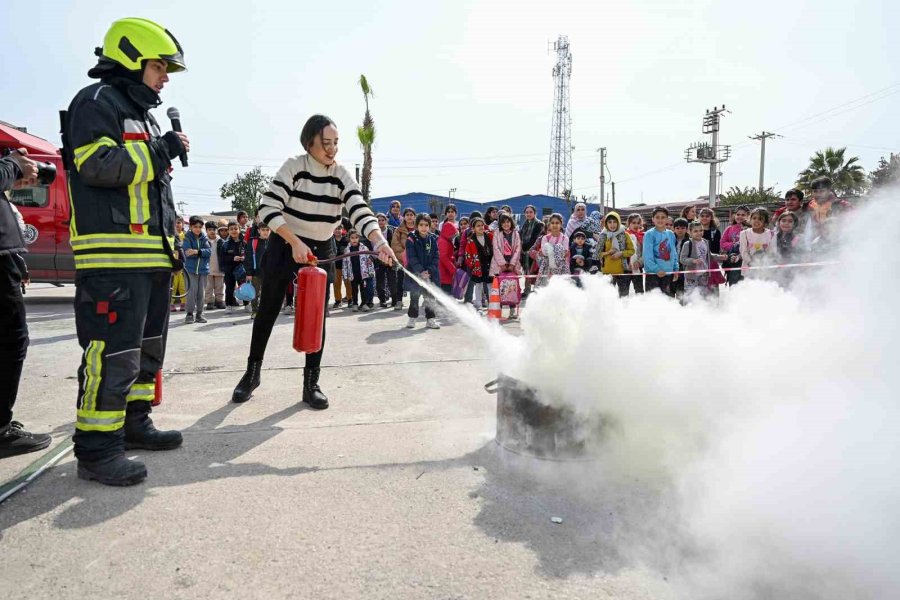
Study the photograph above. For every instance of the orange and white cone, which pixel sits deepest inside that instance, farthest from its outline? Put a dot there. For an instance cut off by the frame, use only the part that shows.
(494, 310)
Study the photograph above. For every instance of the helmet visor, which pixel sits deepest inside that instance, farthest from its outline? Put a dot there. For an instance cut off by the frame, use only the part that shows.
(176, 59)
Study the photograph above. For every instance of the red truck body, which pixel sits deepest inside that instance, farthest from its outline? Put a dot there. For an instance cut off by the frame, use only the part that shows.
(46, 211)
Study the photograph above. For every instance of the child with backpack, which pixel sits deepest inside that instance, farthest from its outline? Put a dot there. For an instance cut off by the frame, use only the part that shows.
(506, 264)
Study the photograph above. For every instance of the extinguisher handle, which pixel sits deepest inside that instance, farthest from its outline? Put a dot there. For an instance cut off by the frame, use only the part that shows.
(311, 258)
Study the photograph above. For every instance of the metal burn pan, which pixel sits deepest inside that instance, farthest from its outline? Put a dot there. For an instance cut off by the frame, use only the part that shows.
(529, 425)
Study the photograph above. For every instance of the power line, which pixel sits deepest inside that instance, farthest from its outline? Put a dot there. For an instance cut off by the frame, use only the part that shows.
(388, 160)
(848, 103)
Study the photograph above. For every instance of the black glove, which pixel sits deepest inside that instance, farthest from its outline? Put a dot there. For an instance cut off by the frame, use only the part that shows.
(173, 144)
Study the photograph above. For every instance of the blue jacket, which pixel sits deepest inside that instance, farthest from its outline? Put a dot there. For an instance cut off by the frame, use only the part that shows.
(198, 263)
(421, 255)
(660, 251)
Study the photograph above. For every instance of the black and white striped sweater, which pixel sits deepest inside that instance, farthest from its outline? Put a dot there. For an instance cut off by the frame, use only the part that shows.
(308, 197)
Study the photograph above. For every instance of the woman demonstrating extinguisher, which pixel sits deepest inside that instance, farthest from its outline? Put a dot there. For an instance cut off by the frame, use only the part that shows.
(302, 205)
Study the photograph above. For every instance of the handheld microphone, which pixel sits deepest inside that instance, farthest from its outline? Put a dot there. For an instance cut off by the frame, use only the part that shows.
(175, 117)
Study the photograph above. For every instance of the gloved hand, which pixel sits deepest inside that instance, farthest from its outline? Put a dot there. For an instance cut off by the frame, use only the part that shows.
(176, 143)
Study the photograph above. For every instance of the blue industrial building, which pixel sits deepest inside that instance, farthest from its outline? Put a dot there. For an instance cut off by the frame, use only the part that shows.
(432, 203)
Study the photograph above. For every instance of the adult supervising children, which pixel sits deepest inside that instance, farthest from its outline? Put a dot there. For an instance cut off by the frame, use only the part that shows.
(303, 205)
(122, 227)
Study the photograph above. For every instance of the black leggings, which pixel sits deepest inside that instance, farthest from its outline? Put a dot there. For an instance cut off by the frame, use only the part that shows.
(279, 270)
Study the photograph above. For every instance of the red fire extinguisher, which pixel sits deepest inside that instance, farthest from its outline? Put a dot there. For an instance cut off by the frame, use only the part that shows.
(157, 389)
(309, 308)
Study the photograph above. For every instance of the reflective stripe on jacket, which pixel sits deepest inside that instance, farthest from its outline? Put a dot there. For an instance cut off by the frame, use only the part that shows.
(122, 203)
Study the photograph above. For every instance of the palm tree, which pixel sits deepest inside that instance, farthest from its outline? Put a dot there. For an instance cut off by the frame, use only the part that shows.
(366, 135)
(847, 177)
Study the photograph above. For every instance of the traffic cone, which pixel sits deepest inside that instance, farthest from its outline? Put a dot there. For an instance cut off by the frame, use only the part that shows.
(494, 311)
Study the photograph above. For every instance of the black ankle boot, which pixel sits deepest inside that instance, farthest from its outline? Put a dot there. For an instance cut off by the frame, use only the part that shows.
(248, 383)
(312, 393)
(117, 471)
(141, 434)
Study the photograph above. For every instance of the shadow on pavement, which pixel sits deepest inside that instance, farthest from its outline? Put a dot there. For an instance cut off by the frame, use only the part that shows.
(381, 315)
(89, 503)
(382, 337)
(53, 339)
(608, 525)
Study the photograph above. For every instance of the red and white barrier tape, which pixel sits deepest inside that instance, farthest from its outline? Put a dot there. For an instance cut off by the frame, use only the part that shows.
(760, 268)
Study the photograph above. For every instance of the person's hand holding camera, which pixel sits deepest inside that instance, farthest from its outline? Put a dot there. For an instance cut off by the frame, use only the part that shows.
(28, 167)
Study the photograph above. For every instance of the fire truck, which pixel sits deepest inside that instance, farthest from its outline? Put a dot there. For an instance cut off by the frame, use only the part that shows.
(46, 211)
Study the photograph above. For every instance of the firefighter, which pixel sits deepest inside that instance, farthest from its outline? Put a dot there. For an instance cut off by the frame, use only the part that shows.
(122, 236)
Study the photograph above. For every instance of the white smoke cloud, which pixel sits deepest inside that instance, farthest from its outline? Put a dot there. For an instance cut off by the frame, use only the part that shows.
(774, 416)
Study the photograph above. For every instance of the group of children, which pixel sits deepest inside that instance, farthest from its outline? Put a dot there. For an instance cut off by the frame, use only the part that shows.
(685, 257)
(218, 258)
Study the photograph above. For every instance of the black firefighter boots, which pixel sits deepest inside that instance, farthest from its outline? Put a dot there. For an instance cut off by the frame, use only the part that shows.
(118, 471)
(248, 383)
(140, 434)
(312, 393)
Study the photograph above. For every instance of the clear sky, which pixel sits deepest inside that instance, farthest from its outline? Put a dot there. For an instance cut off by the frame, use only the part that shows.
(464, 91)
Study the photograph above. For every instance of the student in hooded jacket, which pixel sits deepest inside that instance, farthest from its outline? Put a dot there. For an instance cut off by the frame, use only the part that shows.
(615, 250)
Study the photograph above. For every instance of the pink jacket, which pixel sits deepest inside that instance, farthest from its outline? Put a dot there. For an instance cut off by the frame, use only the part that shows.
(498, 262)
(731, 238)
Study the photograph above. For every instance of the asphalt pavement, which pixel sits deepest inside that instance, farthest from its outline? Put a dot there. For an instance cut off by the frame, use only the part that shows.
(396, 491)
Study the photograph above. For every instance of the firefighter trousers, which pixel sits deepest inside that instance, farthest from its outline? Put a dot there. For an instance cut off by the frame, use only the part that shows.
(122, 321)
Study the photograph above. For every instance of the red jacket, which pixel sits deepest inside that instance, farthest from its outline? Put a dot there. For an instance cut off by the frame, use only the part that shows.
(478, 260)
(447, 266)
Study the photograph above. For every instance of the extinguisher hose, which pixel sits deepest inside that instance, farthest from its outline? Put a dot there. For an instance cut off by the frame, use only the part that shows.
(325, 261)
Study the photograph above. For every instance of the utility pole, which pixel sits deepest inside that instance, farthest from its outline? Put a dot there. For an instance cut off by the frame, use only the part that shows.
(559, 175)
(602, 152)
(710, 153)
(451, 192)
(762, 155)
(180, 204)
(613, 184)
